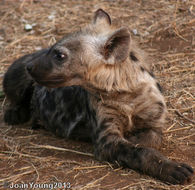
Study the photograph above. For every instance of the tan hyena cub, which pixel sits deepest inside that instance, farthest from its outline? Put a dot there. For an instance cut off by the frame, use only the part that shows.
(122, 95)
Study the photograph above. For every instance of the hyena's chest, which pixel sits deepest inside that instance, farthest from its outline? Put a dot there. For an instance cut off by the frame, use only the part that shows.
(131, 110)
(65, 111)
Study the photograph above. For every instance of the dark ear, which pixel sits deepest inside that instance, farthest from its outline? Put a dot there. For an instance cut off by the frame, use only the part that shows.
(101, 16)
(117, 45)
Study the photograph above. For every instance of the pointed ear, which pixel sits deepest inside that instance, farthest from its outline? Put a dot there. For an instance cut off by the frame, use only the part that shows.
(117, 45)
(101, 17)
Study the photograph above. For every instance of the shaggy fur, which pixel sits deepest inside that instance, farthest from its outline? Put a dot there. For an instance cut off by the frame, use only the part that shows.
(96, 84)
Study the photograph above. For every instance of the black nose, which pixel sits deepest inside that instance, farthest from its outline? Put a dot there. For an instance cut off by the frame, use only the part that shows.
(29, 68)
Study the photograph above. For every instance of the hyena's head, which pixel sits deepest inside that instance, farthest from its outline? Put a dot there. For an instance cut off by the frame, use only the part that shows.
(93, 56)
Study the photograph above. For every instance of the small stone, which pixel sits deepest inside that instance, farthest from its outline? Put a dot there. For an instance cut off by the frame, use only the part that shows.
(135, 31)
(28, 27)
(51, 17)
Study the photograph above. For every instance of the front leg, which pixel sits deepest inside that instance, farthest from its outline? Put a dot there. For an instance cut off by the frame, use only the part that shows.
(110, 145)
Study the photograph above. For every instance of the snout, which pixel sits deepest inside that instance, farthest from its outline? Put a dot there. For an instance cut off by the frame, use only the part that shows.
(36, 70)
(38, 64)
(29, 67)
(42, 69)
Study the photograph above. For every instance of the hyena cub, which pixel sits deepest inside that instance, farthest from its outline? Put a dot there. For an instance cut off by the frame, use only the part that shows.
(96, 84)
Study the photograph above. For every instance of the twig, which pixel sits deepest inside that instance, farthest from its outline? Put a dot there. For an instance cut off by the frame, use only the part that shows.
(3, 103)
(180, 129)
(179, 114)
(92, 184)
(29, 136)
(14, 177)
(175, 25)
(184, 117)
(22, 4)
(91, 167)
(170, 128)
(182, 138)
(182, 70)
(21, 154)
(188, 186)
(35, 170)
(20, 39)
(62, 149)
(180, 36)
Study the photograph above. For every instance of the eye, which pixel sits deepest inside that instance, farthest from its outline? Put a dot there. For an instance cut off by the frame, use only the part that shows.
(59, 56)
(133, 57)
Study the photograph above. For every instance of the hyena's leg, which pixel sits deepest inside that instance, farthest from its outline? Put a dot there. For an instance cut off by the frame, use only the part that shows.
(18, 88)
(147, 137)
(111, 146)
(148, 120)
(19, 112)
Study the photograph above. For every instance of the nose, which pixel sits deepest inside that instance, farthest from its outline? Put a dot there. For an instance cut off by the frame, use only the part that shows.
(29, 67)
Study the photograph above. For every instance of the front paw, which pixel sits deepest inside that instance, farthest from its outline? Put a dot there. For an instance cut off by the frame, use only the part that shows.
(16, 115)
(176, 173)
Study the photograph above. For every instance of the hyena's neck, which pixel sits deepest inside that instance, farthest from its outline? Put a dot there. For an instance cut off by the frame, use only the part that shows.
(112, 79)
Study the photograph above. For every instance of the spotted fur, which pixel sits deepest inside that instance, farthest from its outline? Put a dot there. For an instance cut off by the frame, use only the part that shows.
(96, 84)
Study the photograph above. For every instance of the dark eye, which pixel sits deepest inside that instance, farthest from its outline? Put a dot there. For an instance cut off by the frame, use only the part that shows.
(59, 55)
(133, 57)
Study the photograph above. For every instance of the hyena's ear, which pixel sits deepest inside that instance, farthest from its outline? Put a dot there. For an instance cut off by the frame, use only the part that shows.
(101, 18)
(116, 48)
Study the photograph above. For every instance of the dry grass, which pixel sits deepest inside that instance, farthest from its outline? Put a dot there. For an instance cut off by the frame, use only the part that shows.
(166, 30)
